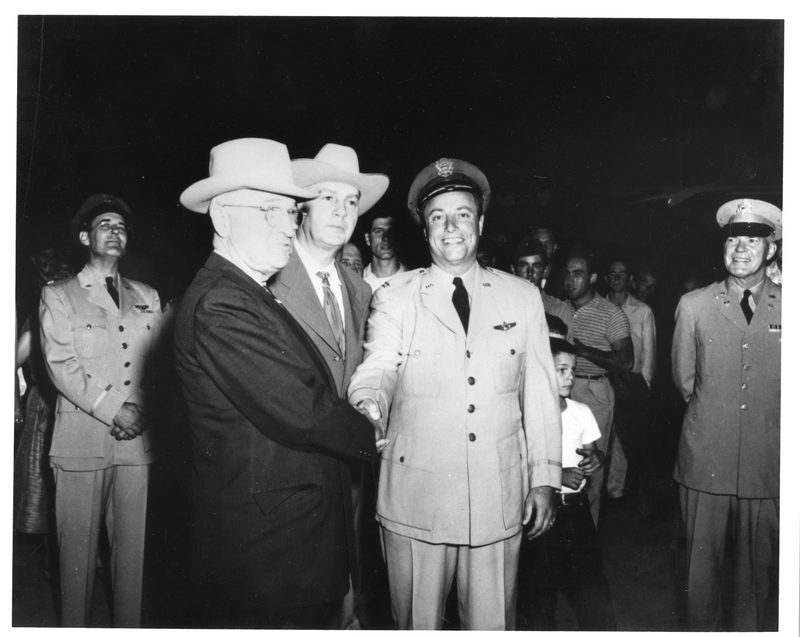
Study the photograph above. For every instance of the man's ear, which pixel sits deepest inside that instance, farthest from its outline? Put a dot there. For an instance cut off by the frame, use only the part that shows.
(593, 278)
(366, 238)
(480, 225)
(83, 237)
(773, 248)
(221, 219)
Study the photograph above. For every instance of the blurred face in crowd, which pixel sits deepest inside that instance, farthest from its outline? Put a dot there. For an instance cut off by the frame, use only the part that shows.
(330, 218)
(548, 241)
(380, 238)
(350, 257)
(530, 268)
(107, 236)
(617, 277)
(577, 279)
(644, 288)
(256, 228)
(746, 258)
(453, 228)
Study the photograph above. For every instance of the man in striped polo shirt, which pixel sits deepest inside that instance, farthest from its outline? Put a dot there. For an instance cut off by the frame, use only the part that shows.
(602, 338)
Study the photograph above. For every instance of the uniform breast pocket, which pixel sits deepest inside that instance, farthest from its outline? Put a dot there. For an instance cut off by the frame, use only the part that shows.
(424, 369)
(141, 335)
(89, 335)
(506, 366)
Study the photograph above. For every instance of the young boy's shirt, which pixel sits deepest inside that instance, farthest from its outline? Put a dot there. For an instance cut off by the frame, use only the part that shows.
(578, 428)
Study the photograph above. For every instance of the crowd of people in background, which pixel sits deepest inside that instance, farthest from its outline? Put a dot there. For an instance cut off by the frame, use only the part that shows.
(469, 415)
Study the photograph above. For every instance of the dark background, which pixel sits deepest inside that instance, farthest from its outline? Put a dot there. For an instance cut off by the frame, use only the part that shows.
(624, 134)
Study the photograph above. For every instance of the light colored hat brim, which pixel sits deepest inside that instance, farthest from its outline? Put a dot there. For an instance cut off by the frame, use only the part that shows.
(372, 186)
(198, 196)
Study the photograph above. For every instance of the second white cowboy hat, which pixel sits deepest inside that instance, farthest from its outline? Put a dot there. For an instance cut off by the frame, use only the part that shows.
(255, 164)
(340, 164)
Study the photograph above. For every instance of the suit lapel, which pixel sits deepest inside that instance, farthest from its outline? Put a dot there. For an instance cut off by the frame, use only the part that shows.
(127, 298)
(768, 310)
(485, 306)
(726, 303)
(97, 292)
(293, 287)
(438, 298)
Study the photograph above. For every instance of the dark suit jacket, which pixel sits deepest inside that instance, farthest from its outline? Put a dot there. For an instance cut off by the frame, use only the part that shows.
(272, 527)
(293, 288)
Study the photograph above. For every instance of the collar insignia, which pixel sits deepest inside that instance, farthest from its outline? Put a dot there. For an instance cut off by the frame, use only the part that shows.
(504, 327)
(444, 167)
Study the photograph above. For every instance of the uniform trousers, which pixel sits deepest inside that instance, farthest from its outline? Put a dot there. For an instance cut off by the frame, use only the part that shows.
(732, 553)
(598, 395)
(421, 574)
(117, 496)
(566, 558)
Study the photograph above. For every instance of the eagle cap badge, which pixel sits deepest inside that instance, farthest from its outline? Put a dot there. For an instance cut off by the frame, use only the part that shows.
(744, 207)
(444, 167)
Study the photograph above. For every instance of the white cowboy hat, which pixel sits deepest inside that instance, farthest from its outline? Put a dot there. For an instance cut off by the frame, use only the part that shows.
(340, 164)
(255, 164)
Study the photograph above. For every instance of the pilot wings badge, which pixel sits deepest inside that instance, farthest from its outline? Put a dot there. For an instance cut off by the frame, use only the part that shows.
(504, 326)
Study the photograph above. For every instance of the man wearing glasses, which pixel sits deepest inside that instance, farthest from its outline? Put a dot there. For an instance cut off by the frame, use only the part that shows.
(97, 334)
(272, 526)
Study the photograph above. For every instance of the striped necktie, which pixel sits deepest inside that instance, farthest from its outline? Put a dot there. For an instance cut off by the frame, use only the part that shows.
(331, 307)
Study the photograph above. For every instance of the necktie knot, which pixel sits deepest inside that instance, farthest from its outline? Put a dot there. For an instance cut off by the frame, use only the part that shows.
(325, 279)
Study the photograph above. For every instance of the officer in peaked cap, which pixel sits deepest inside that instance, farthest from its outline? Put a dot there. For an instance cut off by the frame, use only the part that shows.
(97, 205)
(447, 175)
(98, 332)
(474, 450)
(726, 360)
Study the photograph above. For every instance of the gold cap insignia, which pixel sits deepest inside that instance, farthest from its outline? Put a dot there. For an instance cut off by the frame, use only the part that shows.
(744, 207)
(444, 166)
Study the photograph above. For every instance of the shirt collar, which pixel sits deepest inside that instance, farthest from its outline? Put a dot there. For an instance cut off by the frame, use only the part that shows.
(445, 278)
(312, 267)
(737, 290)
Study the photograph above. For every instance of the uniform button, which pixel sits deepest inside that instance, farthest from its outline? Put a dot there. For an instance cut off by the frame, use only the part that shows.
(336, 358)
(124, 346)
(744, 407)
(128, 364)
(746, 346)
(710, 340)
(513, 352)
(472, 437)
(148, 327)
(416, 352)
(471, 408)
(89, 326)
(402, 458)
(746, 368)
(468, 354)
(121, 329)
(744, 385)
(126, 383)
(471, 380)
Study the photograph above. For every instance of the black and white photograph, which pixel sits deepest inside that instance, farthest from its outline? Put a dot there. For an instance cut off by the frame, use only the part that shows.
(401, 322)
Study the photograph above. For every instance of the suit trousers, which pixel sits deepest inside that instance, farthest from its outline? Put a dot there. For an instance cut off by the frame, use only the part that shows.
(598, 395)
(732, 554)
(117, 496)
(421, 574)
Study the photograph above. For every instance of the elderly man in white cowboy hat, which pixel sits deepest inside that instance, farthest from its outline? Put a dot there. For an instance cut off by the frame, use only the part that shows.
(458, 363)
(272, 530)
(726, 362)
(329, 301)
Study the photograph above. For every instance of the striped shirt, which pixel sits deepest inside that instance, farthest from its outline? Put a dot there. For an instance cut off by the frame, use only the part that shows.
(598, 324)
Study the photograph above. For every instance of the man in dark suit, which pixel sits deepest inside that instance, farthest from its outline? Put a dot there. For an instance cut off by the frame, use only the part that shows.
(726, 362)
(331, 302)
(272, 528)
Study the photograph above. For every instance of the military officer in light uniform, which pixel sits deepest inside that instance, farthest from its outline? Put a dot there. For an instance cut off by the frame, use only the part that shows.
(457, 361)
(726, 357)
(97, 333)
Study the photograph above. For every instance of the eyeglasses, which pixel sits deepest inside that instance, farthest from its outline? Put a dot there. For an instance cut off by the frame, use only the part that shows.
(273, 214)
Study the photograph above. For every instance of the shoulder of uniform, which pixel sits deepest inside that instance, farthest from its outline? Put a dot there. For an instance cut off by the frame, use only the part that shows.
(138, 285)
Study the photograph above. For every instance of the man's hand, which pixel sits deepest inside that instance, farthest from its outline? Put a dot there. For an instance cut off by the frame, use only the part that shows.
(130, 420)
(542, 501)
(370, 409)
(592, 461)
(572, 477)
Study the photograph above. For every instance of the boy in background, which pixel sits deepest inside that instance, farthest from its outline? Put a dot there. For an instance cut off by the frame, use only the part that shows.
(568, 558)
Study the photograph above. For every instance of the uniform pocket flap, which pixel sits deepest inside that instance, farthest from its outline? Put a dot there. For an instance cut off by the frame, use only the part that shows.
(411, 452)
(511, 450)
(300, 495)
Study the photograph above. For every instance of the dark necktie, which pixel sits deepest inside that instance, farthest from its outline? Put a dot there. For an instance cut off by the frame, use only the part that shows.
(332, 311)
(461, 301)
(112, 290)
(748, 313)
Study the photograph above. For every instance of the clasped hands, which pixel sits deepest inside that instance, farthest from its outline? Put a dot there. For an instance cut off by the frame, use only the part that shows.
(370, 409)
(130, 421)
